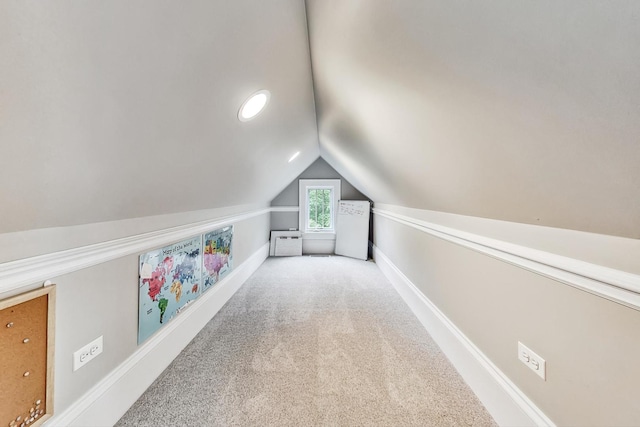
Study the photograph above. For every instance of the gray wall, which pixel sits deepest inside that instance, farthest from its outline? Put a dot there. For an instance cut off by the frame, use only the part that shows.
(103, 300)
(319, 169)
(510, 111)
(590, 344)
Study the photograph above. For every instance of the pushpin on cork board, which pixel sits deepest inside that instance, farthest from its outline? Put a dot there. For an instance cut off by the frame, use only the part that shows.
(26, 357)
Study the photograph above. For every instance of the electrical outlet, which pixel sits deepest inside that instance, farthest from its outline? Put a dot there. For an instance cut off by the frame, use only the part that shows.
(536, 363)
(87, 353)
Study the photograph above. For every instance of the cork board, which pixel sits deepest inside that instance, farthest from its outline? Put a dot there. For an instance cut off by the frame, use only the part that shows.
(26, 358)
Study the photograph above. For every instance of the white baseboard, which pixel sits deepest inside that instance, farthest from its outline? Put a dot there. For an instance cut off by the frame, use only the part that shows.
(107, 401)
(503, 399)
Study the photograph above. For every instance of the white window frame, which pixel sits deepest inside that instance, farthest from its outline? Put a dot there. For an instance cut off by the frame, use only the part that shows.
(304, 186)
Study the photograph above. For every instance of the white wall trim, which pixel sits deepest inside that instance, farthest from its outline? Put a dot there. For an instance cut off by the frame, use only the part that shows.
(615, 285)
(108, 400)
(507, 404)
(285, 208)
(27, 271)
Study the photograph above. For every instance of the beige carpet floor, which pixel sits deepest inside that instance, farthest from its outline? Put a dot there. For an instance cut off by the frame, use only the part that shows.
(311, 341)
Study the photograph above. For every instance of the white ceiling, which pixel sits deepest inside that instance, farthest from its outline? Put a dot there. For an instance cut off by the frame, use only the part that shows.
(515, 110)
(525, 111)
(119, 109)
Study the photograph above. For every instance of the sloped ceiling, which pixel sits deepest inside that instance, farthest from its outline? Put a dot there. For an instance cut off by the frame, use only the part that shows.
(515, 110)
(525, 111)
(119, 109)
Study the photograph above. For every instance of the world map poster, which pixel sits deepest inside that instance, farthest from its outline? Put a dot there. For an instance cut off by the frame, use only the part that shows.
(218, 256)
(169, 280)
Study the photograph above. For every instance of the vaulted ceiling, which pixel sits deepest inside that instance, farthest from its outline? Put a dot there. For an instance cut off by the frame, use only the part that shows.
(514, 110)
(524, 111)
(119, 109)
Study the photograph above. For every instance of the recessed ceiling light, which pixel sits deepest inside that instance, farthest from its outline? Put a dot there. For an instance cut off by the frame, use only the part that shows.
(294, 156)
(254, 105)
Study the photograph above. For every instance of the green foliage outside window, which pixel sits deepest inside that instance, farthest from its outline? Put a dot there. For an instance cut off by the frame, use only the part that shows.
(319, 200)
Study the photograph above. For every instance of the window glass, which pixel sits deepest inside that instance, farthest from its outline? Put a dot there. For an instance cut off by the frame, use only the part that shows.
(319, 208)
(318, 200)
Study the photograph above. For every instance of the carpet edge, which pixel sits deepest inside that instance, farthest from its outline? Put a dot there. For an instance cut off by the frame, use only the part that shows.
(506, 403)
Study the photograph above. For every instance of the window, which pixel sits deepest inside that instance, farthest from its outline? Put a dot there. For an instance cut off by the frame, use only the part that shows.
(318, 202)
(319, 212)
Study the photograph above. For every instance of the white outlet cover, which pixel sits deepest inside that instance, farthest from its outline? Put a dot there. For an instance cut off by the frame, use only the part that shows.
(87, 353)
(536, 363)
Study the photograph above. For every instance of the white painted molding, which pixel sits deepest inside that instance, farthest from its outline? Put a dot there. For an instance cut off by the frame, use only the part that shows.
(106, 402)
(615, 285)
(24, 272)
(506, 403)
(285, 208)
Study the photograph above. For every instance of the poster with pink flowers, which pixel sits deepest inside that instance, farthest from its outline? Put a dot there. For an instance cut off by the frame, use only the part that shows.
(217, 256)
(170, 280)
